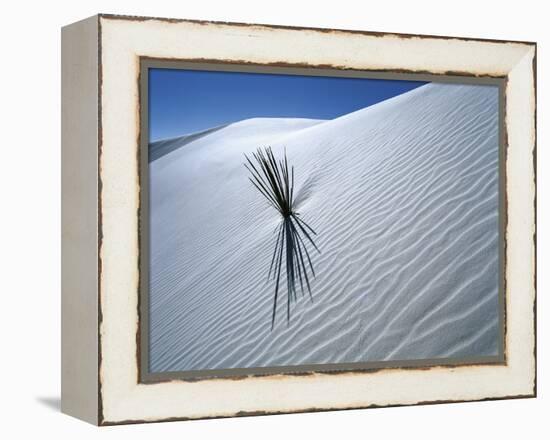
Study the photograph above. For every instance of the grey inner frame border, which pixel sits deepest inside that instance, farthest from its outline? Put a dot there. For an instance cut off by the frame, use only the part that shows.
(142, 337)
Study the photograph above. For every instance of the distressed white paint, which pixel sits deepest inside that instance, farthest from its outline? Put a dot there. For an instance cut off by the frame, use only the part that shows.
(123, 41)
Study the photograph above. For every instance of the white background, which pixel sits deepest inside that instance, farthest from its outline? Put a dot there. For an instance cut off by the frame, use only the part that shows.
(30, 217)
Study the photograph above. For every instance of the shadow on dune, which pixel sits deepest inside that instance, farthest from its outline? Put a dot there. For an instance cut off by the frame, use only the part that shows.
(162, 148)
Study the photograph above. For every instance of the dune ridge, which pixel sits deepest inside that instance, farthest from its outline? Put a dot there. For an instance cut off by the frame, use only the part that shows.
(404, 196)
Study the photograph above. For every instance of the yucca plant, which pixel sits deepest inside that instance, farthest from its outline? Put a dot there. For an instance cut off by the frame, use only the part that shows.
(275, 182)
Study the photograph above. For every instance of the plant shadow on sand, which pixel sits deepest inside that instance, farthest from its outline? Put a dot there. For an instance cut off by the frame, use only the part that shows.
(275, 182)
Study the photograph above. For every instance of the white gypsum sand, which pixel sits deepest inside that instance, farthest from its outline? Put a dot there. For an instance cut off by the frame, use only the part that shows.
(404, 198)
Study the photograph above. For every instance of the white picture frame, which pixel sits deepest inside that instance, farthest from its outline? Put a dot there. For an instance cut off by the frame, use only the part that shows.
(101, 203)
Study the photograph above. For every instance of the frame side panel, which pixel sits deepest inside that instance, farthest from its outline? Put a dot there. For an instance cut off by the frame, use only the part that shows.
(79, 256)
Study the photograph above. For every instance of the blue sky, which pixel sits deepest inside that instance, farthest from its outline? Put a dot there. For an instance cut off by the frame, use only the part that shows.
(187, 101)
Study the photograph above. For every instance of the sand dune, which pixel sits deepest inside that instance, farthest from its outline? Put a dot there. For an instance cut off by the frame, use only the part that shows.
(404, 196)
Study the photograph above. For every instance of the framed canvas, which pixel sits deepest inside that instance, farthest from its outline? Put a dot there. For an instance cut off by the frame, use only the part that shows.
(266, 219)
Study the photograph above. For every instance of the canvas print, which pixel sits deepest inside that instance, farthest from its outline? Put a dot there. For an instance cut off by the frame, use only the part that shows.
(315, 221)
